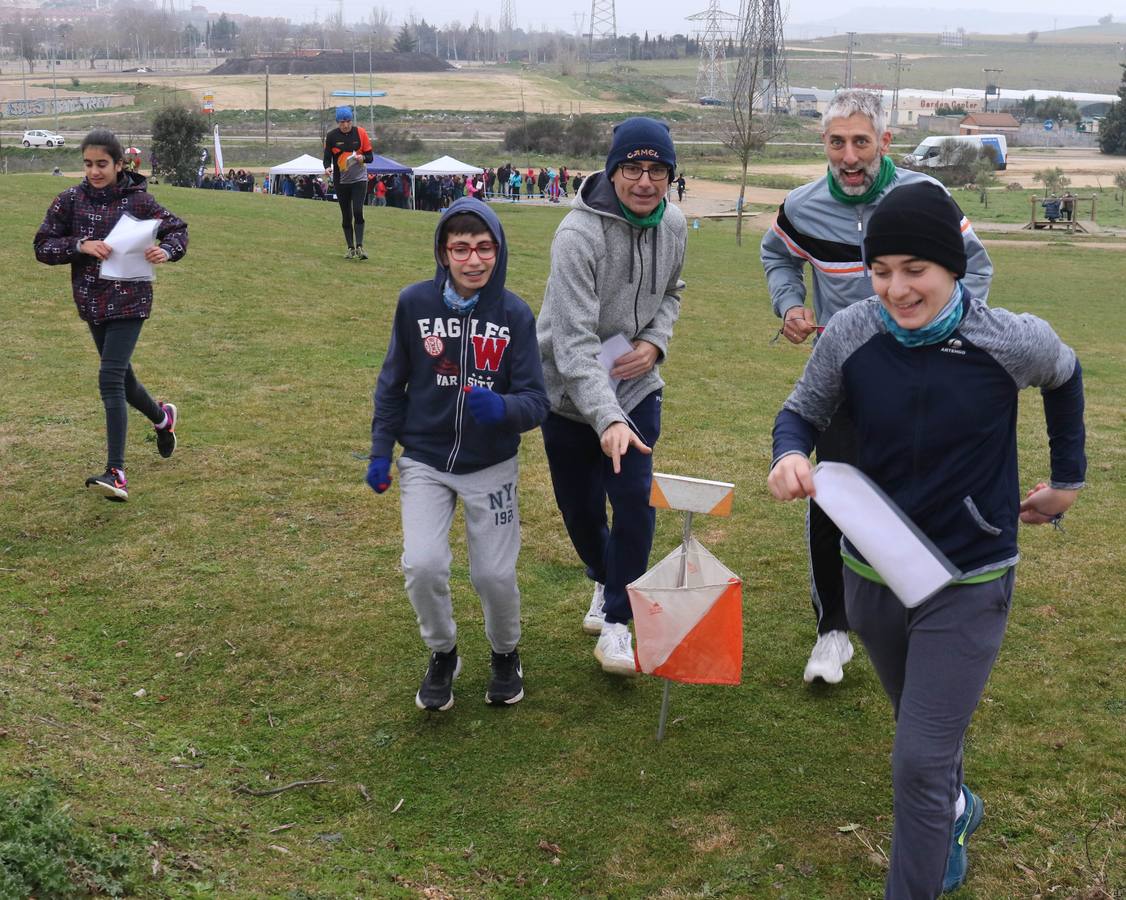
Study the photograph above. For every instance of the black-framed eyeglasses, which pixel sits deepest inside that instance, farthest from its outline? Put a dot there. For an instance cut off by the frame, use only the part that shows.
(462, 252)
(633, 172)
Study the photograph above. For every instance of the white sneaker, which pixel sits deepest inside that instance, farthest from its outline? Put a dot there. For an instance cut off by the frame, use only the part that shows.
(595, 616)
(614, 650)
(832, 650)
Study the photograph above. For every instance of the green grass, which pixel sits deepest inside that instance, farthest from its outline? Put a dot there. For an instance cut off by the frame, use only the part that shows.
(250, 587)
(1044, 64)
(1015, 206)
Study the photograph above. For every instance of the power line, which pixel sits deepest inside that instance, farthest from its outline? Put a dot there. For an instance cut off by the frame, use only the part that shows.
(712, 82)
(603, 27)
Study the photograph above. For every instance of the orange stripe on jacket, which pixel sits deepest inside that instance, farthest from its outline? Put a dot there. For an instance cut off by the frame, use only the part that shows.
(798, 251)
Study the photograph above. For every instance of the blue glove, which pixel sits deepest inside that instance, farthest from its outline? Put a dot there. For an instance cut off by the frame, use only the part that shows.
(487, 407)
(379, 474)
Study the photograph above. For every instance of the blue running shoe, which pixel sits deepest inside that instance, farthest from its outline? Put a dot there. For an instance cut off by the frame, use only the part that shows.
(965, 825)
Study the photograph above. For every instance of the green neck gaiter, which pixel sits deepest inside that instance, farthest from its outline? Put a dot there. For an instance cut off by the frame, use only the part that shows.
(883, 179)
(650, 221)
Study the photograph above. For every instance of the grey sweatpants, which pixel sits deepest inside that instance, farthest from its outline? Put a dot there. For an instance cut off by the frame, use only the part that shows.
(492, 527)
(933, 662)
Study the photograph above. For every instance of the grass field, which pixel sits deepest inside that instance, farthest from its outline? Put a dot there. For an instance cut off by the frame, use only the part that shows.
(250, 589)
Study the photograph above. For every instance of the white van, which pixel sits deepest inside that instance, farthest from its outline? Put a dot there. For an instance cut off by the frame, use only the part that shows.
(926, 155)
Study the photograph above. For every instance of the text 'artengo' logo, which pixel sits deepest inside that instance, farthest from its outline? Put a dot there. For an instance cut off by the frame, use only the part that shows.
(634, 154)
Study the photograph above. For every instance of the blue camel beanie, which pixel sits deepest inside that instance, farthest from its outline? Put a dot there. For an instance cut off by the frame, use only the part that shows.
(343, 114)
(639, 140)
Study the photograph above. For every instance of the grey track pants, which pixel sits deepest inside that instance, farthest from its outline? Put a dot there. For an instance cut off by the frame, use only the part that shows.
(933, 662)
(492, 525)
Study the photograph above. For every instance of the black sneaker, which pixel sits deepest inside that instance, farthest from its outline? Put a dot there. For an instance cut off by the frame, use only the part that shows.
(166, 436)
(111, 485)
(360, 253)
(507, 684)
(436, 692)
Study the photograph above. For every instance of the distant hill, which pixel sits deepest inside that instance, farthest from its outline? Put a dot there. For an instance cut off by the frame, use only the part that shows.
(332, 64)
(879, 19)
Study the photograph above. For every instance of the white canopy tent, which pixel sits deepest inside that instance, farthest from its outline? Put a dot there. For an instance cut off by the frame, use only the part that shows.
(443, 165)
(447, 165)
(302, 165)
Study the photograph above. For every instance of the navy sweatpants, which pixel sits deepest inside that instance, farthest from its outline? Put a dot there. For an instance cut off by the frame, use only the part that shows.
(933, 662)
(614, 553)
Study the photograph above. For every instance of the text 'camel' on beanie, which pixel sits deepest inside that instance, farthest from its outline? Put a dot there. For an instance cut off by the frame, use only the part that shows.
(639, 140)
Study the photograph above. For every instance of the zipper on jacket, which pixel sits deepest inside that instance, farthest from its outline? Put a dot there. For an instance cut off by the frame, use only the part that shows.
(920, 355)
(640, 282)
(459, 403)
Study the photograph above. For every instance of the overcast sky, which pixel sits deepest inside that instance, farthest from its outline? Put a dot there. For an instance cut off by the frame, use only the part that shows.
(632, 15)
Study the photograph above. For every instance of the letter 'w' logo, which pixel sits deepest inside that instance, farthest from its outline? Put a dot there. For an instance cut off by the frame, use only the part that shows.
(488, 352)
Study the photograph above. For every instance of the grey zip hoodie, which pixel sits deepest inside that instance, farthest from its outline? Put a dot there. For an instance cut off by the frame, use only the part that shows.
(607, 278)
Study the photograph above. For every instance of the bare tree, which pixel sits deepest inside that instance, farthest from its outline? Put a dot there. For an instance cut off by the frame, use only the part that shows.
(382, 27)
(753, 119)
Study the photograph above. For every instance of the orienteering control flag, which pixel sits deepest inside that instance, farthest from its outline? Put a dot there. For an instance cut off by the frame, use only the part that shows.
(688, 617)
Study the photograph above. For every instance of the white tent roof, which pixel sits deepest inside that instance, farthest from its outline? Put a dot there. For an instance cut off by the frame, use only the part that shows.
(303, 165)
(447, 165)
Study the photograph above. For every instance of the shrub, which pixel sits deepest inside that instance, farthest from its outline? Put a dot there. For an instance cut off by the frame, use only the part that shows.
(391, 140)
(177, 133)
(542, 134)
(44, 854)
(1053, 179)
(581, 136)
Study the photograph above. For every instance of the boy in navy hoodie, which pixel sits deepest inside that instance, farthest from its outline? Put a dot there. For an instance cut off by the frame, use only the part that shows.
(461, 380)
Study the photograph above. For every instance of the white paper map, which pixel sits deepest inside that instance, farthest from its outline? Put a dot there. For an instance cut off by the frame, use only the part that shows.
(906, 559)
(612, 348)
(129, 238)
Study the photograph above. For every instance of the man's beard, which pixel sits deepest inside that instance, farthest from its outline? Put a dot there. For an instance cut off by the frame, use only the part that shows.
(870, 172)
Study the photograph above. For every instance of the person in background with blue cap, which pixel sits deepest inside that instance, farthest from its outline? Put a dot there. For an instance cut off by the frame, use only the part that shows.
(347, 150)
(615, 273)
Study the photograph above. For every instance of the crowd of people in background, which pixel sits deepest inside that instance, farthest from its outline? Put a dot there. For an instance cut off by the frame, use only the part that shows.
(432, 193)
(241, 180)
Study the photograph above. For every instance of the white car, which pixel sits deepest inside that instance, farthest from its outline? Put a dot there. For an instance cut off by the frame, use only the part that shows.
(40, 138)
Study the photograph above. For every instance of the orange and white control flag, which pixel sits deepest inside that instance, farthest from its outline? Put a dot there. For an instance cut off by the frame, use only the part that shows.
(688, 618)
(695, 495)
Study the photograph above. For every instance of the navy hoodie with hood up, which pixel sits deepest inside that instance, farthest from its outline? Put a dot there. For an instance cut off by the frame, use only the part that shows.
(435, 353)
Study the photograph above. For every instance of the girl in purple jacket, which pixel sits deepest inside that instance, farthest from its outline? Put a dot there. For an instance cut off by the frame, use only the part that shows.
(74, 232)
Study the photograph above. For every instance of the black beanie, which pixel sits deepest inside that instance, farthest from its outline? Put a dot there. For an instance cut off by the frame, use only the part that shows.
(919, 220)
(639, 140)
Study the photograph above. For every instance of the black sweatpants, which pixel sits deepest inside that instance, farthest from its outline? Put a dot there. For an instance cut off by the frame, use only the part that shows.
(351, 200)
(826, 586)
(118, 385)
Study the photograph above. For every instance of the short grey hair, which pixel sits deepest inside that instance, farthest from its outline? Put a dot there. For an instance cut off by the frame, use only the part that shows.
(849, 103)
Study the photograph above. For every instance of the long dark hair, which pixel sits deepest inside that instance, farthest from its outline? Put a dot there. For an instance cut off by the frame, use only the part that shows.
(107, 140)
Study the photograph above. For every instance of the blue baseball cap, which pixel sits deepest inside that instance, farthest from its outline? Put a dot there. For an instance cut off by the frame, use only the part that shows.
(343, 114)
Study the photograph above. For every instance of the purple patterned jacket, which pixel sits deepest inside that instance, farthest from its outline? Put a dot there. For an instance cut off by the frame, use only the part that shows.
(81, 213)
